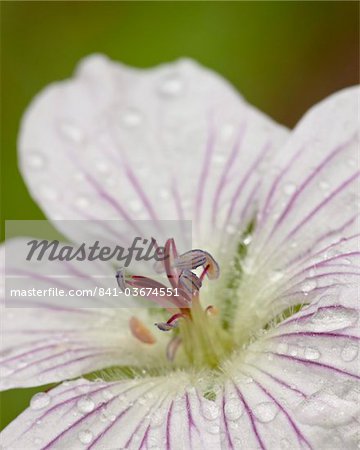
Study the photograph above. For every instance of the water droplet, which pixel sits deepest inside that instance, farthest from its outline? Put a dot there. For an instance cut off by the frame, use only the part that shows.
(324, 185)
(48, 192)
(85, 405)
(276, 275)
(248, 380)
(71, 132)
(330, 319)
(210, 410)
(171, 86)
(40, 400)
(308, 286)
(247, 240)
(35, 160)
(318, 408)
(289, 188)
(164, 194)
(85, 436)
(219, 159)
(231, 229)
(233, 410)
(131, 118)
(214, 429)
(102, 167)
(349, 352)
(82, 202)
(157, 419)
(135, 205)
(311, 353)
(108, 395)
(265, 412)
(227, 131)
(282, 348)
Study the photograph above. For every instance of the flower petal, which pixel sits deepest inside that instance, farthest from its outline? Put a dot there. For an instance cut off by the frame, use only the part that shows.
(173, 142)
(48, 339)
(163, 412)
(298, 386)
(307, 237)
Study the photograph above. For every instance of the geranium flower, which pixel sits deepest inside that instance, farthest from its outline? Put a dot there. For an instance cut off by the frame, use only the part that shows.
(269, 357)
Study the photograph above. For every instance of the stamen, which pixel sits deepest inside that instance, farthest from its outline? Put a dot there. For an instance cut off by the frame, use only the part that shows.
(120, 278)
(195, 258)
(190, 282)
(159, 266)
(172, 347)
(140, 331)
(171, 323)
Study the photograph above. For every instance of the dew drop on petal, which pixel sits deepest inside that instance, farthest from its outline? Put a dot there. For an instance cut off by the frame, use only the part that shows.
(327, 319)
(131, 118)
(311, 353)
(265, 412)
(210, 410)
(171, 86)
(82, 202)
(349, 352)
(85, 405)
(308, 286)
(164, 194)
(289, 188)
(227, 131)
(351, 162)
(108, 395)
(276, 275)
(135, 205)
(231, 229)
(102, 167)
(324, 185)
(318, 408)
(71, 132)
(219, 159)
(233, 410)
(35, 160)
(158, 418)
(85, 436)
(282, 348)
(48, 192)
(40, 400)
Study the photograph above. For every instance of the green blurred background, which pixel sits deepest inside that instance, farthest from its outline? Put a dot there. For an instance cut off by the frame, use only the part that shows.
(283, 57)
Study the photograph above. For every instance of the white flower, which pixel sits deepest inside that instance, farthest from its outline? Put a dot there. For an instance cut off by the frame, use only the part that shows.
(278, 212)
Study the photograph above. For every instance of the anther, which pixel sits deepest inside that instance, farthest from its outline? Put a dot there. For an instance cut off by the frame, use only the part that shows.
(141, 331)
(120, 278)
(195, 258)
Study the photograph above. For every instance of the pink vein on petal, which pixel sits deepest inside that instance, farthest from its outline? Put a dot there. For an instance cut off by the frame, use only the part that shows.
(228, 165)
(210, 144)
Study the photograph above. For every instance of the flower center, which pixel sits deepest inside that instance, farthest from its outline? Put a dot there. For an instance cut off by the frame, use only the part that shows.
(198, 337)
